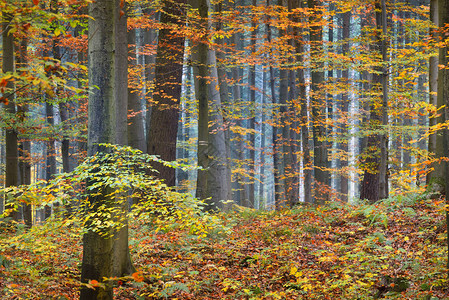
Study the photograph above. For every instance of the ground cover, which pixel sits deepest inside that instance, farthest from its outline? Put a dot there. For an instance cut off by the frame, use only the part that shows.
(395, 249)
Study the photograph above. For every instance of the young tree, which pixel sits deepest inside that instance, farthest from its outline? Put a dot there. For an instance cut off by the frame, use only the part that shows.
(106, 254)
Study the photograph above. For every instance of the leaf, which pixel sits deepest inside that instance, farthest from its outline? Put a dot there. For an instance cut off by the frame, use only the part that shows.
(35, 2)
(92, 282)
(4, 100)
(137, 276)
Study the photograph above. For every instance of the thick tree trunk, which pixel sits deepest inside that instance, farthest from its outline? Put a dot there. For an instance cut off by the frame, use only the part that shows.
(303, 117)
(375, 179)
(11, 141)
(106, 255)
(163, 128)
(320, 144)
(212, 183)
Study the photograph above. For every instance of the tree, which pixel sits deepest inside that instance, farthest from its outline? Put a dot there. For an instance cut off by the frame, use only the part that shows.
(375, 178)
(212, 181)
(12, 155)
(443, 86)
(163, 127)
(435, 140)
(106, 254)
(320, 144)
(136, 131)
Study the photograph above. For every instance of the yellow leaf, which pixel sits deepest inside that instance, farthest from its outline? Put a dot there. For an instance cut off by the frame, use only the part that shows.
(293, 270)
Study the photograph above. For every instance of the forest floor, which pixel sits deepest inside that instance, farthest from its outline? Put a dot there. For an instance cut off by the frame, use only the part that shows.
(395, 249)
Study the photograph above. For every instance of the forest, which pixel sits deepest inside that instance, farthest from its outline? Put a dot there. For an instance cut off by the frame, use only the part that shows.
(225, 149)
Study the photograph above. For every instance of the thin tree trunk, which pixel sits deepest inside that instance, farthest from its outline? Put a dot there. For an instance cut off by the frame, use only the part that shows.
(136, 133)
(25, 143)
(433, 89)
(345, 111)
(241, 187)
(252, 112)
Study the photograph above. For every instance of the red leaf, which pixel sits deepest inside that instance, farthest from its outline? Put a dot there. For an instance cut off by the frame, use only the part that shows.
(35, 2)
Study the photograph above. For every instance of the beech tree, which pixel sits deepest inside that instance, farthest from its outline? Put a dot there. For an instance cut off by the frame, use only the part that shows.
(212, 182)
(11, 140)
(106, 254)
(375, 182)
(163, 127)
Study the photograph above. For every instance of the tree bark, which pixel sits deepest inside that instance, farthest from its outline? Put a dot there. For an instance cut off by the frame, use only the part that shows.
(443, 90)
(106, 255)
(163, 128)
(136, 128)
(11, 140)
(25, 143)
(434, 139)
(375, 179)
(344, 184)
(212, 184)
(320, 155)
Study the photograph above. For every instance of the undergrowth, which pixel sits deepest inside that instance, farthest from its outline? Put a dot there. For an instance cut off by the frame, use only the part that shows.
(394, 249)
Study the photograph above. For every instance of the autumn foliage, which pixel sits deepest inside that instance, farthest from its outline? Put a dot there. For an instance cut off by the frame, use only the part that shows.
(394, 249)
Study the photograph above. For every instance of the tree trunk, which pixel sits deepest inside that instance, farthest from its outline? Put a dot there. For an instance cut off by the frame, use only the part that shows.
(375, 179)
(224, 97)
(106, 255)
(240, 186)
(252, 112)
(443, 90)
(320, 155)
(345, 111)
(136, 133)
(163, 129)
(383, 171)
(434, 139)
(11, 141)
(212, 181)
(50, 166)
(25, 143)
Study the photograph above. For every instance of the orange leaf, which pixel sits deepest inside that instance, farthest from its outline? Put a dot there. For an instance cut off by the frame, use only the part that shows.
(93, 282)
(4, 100)
(35, 2)
(137, 277)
